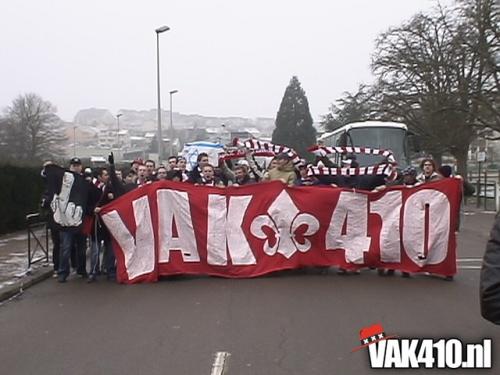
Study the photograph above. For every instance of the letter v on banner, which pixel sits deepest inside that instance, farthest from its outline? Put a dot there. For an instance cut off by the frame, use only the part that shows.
(138, 251)
(224, 226)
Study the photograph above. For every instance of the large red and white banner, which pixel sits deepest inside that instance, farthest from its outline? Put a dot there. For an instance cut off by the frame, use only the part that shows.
(168, 228)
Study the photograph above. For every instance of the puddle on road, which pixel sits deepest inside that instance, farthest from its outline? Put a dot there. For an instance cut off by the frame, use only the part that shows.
(7, 283)
(15, 260)
(22, 237)
(13, 266)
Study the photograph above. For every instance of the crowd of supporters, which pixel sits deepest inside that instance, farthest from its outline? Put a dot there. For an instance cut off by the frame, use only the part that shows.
(71, 249)
(248, 171)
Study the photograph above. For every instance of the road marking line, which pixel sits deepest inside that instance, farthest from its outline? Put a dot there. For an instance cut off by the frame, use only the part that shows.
(469, 267)
(219, 365)
(469, 260)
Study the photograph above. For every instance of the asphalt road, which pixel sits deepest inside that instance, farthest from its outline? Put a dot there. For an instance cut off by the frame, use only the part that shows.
(300, 322)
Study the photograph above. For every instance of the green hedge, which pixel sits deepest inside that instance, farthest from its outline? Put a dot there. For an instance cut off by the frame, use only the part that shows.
(21, 189)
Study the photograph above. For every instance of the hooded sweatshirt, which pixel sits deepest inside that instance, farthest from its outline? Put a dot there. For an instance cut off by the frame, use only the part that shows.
(286, 174)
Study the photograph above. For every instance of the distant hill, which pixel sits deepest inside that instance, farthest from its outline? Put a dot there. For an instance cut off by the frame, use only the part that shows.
(144, 120)
(94, 117)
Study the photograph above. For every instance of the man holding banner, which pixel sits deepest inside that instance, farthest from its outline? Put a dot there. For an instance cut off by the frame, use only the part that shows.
(71, 195)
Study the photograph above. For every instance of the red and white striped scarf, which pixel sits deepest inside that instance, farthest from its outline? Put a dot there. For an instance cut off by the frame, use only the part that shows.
(324, 151)
(387, 169)
(238, 154)
(262, 148)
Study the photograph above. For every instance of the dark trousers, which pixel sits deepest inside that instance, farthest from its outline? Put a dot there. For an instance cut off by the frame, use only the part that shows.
(109, 258)
(81, 254)
(72, 241)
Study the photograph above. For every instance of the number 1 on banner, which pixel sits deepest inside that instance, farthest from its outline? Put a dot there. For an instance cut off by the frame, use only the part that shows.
(388, 207)
(350, 213)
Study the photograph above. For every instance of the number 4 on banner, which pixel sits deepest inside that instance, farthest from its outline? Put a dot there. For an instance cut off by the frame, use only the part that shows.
(351, 212)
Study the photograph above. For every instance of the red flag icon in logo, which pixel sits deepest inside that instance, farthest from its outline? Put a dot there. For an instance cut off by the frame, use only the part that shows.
(371, 335)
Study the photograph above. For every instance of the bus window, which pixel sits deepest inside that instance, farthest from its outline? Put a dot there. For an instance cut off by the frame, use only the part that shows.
(342, 141)
(385, 138)
(413, 143)
(334, 141)
(372, 134)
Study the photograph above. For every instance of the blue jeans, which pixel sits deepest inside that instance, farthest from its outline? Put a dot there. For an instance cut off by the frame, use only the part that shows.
(69, 239)
(95, 251)
(108, 258)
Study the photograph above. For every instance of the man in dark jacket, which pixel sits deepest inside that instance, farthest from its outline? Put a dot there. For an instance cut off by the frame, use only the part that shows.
(489, 287)
(242, 177)
(117, 186)
(195, 174)
(71, 199)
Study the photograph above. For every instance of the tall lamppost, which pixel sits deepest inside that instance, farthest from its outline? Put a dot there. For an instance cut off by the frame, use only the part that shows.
(118, 132)
(159, 136)
(74, 140)
(223, 129)
(172, 124)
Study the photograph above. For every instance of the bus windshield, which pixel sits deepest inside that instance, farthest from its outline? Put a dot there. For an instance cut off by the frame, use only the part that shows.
(382, 138)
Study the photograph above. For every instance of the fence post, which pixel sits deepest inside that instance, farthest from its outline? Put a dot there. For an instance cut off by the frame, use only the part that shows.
(485, 188)
(35, 241)
(478, 185)
(497, 195)
(29, 242)
(47, 242)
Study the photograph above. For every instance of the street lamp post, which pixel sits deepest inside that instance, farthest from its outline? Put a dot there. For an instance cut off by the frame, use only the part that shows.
(172, 125)
(118, 132)
(159, 136)
(74, 140)
(223, 129)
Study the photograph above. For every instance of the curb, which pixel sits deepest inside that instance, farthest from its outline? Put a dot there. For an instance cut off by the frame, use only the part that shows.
(24, 283)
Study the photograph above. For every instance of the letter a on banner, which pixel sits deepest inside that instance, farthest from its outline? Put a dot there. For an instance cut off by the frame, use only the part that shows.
(175, 205)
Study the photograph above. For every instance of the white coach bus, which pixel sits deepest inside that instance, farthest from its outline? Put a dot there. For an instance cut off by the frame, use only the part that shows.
(374, 134)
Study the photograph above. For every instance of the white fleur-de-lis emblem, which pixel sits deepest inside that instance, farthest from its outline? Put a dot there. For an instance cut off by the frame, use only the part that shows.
(284, 219)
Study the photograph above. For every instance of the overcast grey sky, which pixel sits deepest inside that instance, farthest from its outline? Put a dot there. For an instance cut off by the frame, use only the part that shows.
(225, 57)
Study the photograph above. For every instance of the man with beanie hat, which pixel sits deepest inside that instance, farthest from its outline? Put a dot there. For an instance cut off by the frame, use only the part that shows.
(284, 170)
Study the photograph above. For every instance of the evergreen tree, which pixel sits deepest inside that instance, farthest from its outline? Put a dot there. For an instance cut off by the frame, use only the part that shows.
(294, 122)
